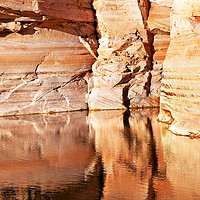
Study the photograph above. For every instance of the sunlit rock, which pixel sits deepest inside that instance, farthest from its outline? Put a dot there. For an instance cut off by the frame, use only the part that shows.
(123, 76)
(62, 56)
(159, 24)
(42, 60)
(180, 85)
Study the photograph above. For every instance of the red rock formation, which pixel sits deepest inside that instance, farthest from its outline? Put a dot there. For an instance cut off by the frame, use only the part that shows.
(48, 48)
(52, 45)
(180, 86)
(42, 60)
(123, 75)
(159, 24)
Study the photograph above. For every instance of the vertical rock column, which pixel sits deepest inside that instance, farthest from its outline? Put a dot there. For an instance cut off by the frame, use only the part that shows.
(180, 91)
(122, 75)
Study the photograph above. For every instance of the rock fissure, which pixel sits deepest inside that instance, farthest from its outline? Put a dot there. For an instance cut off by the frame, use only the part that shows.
(74, 78)
(124, 51)
(37, 66)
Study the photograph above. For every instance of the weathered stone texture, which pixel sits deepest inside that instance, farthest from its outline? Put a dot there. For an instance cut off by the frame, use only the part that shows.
(48, 48)
(159, 25)
(42, 60)
(124, 75)
(180, 96)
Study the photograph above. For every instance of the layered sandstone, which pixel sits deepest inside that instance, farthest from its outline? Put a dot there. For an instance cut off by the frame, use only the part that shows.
(45, 53)
(49, 61)
(159, 25)
(48, 49)
(124, 75)
(180, 97)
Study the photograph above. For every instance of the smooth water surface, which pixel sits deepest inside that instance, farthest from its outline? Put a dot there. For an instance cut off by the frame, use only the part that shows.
(96, 155)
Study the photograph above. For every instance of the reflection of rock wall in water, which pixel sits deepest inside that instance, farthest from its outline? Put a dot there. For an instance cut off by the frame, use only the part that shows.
(46, 146)
(142, 159)
(107, 154)
(183, 173)
(131, 150)
(47, 157)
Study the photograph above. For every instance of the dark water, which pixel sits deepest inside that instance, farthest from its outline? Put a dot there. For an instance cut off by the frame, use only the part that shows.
(100, 155)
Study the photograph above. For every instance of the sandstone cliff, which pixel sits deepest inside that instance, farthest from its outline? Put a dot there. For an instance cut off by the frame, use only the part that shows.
(124, 75)
(42, 60)
(48, 48)
(101, 54)
(180, 93)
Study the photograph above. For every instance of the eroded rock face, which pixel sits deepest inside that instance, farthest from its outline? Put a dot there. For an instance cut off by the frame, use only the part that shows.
(159, 25)
(48, 51)
(43, 56)
(48, 48)
(125, 75)
(180, 85)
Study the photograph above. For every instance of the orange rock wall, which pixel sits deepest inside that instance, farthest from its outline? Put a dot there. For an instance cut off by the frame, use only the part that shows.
(180, 92)
(124, 75)
(60, 56)
(43, 60)
(48, 48)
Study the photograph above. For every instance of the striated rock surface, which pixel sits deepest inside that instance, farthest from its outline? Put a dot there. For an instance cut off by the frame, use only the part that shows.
(49, 61)
(159, 25)
(180, 94)
(48, 47)
(45, 55)
(124, 76)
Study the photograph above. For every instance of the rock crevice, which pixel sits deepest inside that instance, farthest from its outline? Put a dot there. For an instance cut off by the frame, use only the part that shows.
(124, 70)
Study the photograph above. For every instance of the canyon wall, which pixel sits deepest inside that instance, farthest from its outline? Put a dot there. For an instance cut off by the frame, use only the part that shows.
(125, 76)
(180, 92)
(101, 54)
(48, 48)
(43, 60)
